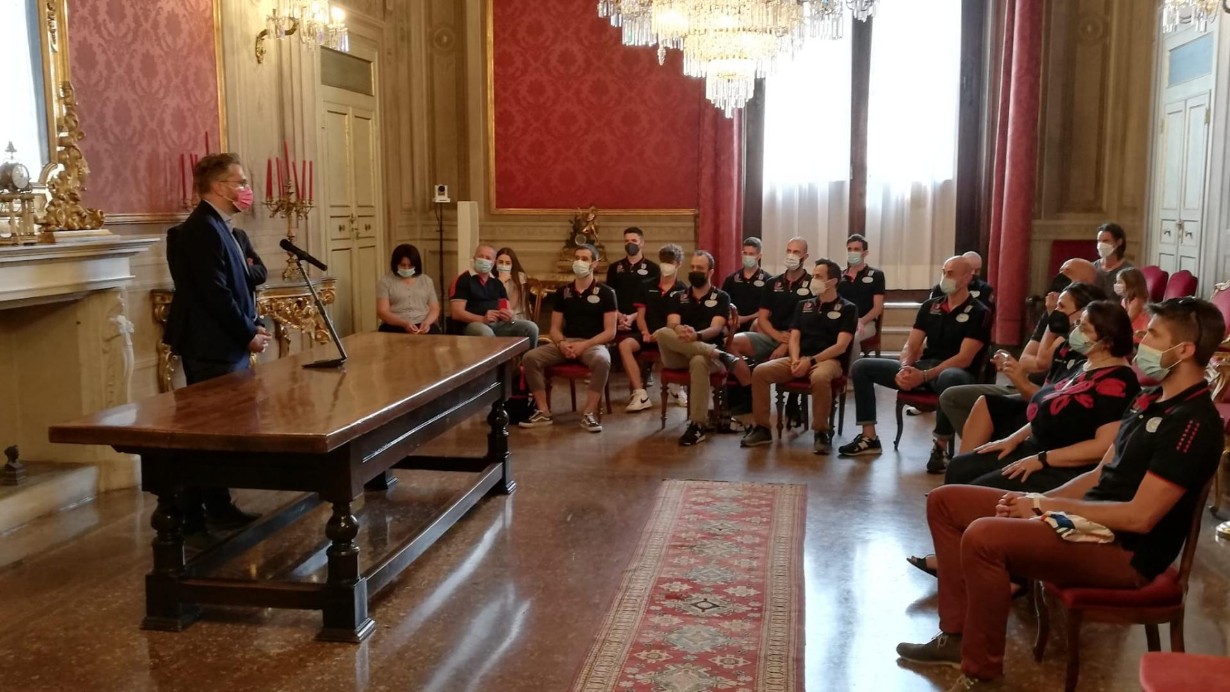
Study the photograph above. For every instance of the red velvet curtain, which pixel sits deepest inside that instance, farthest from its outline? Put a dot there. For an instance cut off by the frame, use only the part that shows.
(720, 198)
(1015, 169)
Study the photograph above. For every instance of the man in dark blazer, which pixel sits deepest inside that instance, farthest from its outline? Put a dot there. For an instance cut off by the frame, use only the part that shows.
(257, 272)
(212, 326)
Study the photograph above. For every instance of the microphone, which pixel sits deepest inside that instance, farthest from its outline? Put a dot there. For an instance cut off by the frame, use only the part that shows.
(302, 254)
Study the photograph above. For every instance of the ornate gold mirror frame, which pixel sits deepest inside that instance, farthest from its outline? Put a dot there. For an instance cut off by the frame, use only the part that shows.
(64, 177)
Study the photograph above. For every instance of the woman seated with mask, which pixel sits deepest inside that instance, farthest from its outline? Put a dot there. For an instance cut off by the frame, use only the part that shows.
(1131, 288)
(406, 300)
(510, 272)
(1072, 420)
(996, 416)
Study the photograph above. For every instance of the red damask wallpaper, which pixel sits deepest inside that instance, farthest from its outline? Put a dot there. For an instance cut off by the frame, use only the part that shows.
(581, 119)
(146, 79)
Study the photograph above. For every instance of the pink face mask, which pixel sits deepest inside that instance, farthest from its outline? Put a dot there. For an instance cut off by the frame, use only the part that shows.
(243, 198)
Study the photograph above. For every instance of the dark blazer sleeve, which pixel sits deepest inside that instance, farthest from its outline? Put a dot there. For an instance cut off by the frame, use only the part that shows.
(206, 268)
(257, 273)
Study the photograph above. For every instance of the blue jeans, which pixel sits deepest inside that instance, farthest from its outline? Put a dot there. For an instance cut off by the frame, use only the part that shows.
(868, 372)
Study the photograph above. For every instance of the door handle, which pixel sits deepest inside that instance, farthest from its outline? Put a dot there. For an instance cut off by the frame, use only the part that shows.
(367, 227)
(341, 228)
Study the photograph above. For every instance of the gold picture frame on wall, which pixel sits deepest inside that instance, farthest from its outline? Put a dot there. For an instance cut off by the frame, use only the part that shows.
(489, 145)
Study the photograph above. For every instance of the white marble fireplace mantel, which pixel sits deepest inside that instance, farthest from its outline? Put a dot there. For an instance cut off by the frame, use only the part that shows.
(66, 348)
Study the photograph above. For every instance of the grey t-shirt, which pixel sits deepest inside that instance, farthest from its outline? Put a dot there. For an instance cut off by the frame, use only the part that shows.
(410, 303)
(1106, 279)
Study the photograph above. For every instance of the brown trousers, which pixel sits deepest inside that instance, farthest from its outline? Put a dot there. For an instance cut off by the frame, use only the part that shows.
(777, 371)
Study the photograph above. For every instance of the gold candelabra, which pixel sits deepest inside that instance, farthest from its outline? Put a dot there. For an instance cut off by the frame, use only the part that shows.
(291, 207)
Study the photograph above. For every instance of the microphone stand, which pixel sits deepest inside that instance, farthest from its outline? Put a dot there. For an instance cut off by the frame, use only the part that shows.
(440, 257)
(320, 309)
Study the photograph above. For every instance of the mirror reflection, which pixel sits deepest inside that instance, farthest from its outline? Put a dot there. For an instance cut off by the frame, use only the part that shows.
(23, 112)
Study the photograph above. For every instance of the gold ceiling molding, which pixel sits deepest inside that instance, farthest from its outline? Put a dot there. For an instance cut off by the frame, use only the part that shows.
(489, 111)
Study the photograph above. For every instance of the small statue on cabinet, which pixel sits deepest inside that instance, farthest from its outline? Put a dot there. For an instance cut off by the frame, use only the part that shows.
(14, 471)
(583, 231)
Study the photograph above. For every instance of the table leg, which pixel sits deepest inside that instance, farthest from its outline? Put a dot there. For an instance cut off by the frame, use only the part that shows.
(345, 608)
(381, 483)
(163, 610)
(497, 445)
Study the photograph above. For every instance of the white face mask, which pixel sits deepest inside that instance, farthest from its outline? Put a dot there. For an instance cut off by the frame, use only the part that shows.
(1120, 289)
(793, 261)
(504, 268)
(854, 259)
(580, 268)
(668, 269)
(405, 273)
(1105, 250)
(818, 286)
(948, 286)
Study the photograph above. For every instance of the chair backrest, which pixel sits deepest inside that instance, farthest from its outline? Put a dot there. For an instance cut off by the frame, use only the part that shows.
(1064, 250)
(1182, 283)
(538, 290)
(1155, 281)
(732, 326)
(1221, 300)
(1188, 556)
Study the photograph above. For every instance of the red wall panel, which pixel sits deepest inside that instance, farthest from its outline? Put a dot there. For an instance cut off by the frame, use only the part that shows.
(145, 75)
(581, 119)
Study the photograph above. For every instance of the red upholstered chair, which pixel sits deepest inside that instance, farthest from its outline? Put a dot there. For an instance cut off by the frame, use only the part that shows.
(1181, 283)
(1160, 601)
(1155, 281)
(573, 372)
(1164, 671)
(717, 380)
(1219, 377)
(926, 402)
(802, 387)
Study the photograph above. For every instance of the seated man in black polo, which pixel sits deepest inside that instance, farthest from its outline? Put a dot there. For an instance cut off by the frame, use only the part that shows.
(651, 311)
(582, 325)
(819, 341)
(1146, 491)
(981, 291)
(745, 286)
(629, 277)
(478, 303)
(942, 351)
(776, 312)
(863, 285)
(695, 325)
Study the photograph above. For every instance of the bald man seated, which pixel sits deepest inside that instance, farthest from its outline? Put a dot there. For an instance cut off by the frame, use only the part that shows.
(943, 349)
(982, 291)
(478, 303)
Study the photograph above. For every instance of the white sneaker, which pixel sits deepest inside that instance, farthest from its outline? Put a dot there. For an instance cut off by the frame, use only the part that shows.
(538, 420)
(639, 401)
(679, 395)
(590, 423)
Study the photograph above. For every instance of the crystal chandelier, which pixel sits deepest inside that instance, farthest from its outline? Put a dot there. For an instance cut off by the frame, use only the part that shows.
(1199, 12)
(730, 43)
(316, 22)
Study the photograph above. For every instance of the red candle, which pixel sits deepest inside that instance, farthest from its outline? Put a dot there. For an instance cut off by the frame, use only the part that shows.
(311, 181)
(268, 178)
(183, 183)
(207, 142)
(303, 174)
(280, 188)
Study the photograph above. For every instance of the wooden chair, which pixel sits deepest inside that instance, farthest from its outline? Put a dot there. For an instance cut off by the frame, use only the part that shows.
(929, 402)
(802, 387)
(683, 377)
(1182, 283)
(1155, 282)
(567, 371)
(1160, 601)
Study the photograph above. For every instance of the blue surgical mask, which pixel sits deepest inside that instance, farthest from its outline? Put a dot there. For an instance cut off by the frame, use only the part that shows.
(1080, 343)
(1149, 360)
(482, 266)
(948, 286)
(750, 262)
(854, 259)
(405, 273)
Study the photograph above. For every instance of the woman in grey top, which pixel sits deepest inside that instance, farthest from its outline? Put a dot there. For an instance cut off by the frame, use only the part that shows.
(406, 298)
(1112, 246)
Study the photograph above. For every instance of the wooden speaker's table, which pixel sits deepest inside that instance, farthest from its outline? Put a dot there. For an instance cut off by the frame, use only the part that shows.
(324, 432)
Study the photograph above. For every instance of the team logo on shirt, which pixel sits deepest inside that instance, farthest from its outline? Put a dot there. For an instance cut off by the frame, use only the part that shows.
(963, 317)
(975, 293)
(620, 268)
(834, 314)
(867, 279)
(1153, 424)
(593, 299)
(804, 291)
(809, 306)
(642, 271)
(758, 283)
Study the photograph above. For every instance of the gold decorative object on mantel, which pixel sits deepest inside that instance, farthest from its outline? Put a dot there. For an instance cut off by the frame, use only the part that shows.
(583, 231)
(289, 305)
(64, 211)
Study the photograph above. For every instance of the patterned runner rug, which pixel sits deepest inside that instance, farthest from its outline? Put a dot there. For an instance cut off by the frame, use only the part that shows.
(713, 598)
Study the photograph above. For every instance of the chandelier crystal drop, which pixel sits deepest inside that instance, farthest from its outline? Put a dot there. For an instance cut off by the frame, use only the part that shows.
(730, 43)
(1176, 13)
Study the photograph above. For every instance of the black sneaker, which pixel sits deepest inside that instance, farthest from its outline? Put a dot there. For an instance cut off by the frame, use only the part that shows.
(942, 650)
(860, 445)
(822, 442)
(757, 436)
(694, 435)
(228, 517)
(938, 462)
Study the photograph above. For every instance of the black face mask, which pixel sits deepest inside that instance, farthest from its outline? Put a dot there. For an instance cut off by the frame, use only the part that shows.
(631, 249)
(697, 279)
(1058, 323)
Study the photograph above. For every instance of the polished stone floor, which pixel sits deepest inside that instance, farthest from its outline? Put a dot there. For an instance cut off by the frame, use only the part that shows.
(511, 598)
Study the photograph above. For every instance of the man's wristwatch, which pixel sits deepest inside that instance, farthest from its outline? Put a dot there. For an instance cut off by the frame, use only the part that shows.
(1042, 458)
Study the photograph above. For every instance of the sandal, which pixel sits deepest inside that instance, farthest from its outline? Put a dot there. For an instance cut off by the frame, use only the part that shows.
(921, 564)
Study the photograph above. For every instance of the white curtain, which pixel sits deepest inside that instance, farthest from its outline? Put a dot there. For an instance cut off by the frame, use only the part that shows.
(912, 139)
(807, 153)
(915, 73)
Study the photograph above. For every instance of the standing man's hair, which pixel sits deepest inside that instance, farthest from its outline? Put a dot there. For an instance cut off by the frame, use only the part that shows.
(858, 238)
(210, 169)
